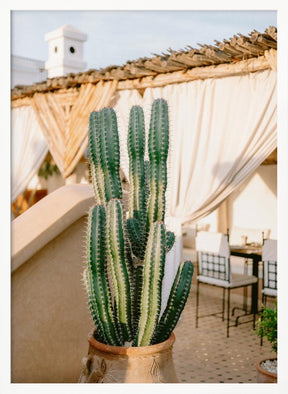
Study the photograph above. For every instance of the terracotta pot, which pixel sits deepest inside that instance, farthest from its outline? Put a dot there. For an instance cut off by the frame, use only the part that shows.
(264, 376)
(115, 364)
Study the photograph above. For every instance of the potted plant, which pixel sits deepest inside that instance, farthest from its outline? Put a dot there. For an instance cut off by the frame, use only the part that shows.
(126, 253)
(267, 327)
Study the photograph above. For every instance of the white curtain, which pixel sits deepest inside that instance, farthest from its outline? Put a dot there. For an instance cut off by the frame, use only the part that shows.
(28, 148)
(221, 131)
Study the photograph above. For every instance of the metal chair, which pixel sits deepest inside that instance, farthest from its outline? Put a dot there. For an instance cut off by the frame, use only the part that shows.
(269, 259)
(214, 269)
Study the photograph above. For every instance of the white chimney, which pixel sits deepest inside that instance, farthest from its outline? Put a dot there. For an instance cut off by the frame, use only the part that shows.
(65, 51)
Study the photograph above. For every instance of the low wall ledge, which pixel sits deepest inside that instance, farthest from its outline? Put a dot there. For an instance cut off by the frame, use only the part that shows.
(45, 220)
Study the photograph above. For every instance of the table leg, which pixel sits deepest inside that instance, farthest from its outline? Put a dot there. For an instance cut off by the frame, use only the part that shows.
(254, 303)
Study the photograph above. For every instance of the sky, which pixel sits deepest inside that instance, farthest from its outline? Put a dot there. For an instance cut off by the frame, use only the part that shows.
(117, 36)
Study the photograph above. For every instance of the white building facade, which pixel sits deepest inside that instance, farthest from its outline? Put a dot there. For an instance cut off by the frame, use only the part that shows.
(25, 71)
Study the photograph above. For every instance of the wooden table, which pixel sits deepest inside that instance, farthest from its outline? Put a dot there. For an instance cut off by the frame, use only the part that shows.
(255, 254)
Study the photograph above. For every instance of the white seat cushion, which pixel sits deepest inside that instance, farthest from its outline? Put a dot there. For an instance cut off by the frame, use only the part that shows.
(238, 280)
(270, 292)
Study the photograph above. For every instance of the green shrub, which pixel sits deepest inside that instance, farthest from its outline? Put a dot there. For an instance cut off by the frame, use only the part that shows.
(267, 325)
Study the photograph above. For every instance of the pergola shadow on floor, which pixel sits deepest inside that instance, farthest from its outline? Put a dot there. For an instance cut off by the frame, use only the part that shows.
(205, 354)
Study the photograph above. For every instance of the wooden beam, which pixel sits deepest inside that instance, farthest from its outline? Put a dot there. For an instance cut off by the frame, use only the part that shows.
(21, 102)
(271, 159)
(222, 70)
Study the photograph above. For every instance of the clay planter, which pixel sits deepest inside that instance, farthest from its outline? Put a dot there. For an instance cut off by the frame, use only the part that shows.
(115, 364)
(264, 376)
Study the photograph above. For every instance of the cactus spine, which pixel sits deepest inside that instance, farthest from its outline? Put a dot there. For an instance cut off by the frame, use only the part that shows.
(126, 257)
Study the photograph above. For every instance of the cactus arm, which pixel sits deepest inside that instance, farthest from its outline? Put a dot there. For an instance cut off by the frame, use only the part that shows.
(110, 153)
(95, 157)
(158, 144)
(120, 272)
(152, 284)
(97, 285)
(170, 239)
(136, 149)
(176, 302)
(92, 303)
(104, 155)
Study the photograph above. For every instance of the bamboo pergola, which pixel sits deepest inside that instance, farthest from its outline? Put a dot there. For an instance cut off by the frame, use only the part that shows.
(62, 104)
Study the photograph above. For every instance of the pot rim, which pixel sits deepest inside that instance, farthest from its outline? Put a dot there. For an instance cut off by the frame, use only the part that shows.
(264, 371)
(132, 350)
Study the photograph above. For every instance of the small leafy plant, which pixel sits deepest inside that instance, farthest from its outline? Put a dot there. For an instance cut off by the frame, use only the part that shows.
(126, 251)
(267, 325)
(48, 168)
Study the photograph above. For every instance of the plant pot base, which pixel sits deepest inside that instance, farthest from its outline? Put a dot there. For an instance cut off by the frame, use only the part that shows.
(264, 376)
(113, 364)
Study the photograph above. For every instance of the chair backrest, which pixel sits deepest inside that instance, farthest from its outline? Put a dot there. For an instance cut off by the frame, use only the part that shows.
(252, 234)
(269, 258)
(213, 255)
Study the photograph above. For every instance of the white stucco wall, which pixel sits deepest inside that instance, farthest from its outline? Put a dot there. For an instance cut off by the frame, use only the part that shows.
(254, 204)
(25, 71)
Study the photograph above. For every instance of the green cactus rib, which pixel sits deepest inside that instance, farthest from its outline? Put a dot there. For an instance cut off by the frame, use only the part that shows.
(147, 176)
(137, 289)
(176, 302)
(158, 144)
(136, 237)
(170, 239)
(152, 284)
(136, 150)
(121, 275)
(95, 157)
(99, 296)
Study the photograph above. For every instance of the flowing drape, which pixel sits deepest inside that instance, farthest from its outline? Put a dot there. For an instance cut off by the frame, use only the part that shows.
(64, 118)
(221, 131)
(28, 148)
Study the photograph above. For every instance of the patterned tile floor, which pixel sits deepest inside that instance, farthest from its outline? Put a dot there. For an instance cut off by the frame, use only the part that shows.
(204, 354)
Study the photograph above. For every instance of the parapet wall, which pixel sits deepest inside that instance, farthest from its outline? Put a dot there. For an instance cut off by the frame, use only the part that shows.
(50, 319)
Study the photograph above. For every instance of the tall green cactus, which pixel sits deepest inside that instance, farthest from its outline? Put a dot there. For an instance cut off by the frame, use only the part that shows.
(126, 255)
